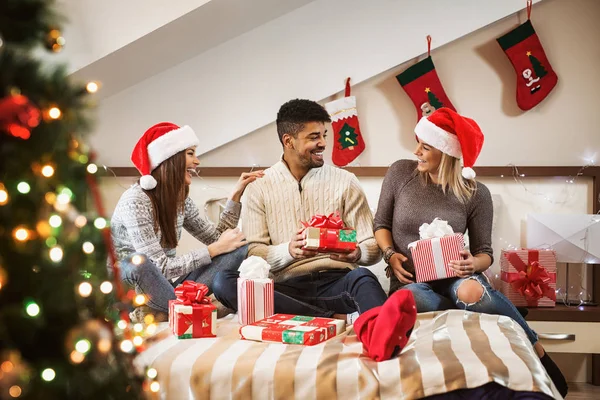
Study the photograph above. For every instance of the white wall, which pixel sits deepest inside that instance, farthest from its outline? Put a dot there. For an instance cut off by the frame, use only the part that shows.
(236, 87)
(108, 25)
(480, 81)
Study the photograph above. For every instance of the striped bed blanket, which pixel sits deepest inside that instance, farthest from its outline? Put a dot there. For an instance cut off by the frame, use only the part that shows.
(447, 350)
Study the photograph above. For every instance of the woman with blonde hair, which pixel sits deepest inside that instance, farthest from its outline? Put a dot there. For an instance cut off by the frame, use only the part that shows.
(148, 219)
(438, 186)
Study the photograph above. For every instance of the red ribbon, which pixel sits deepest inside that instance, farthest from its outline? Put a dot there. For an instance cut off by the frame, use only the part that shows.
(333, 221)
(532, 280)
(190, 292)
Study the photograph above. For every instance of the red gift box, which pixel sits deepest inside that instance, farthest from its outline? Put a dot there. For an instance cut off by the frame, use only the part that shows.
(192, 315)
(293, 329)
(529, 277)
(327, 234)
(255, 299)
(432, 256)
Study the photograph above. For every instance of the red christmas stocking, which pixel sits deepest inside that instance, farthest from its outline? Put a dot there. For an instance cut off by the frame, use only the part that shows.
(384, 330)
(348, 141)
(423, 86)
(535, 76)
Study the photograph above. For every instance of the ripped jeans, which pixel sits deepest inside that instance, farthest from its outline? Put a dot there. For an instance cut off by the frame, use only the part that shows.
(442, 295)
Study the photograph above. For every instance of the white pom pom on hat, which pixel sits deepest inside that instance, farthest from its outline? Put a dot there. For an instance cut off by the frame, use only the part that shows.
(453, 134)
(156, 145)
(147, 182)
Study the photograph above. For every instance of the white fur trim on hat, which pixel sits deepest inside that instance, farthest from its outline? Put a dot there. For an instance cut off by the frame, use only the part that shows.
(435, 136)
(468, 173)
(147, 182)
(170, 144)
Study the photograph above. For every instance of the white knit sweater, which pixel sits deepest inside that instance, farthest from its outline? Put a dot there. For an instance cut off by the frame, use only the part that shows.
(275, 205)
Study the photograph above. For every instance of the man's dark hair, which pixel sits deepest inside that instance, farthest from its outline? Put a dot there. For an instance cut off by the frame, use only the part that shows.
(295, 113)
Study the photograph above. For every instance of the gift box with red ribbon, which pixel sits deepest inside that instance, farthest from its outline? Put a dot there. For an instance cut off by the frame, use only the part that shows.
(432, 256)
(328, 234)
(293, 329)
(529, 277)
(192, 315)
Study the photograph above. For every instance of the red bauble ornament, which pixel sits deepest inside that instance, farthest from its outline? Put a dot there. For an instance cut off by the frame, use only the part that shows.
(18, 116)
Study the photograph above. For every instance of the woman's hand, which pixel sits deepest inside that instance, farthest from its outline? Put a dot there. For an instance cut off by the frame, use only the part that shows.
(403, 275)
(465, 267)
(245, 179)
(229, 241)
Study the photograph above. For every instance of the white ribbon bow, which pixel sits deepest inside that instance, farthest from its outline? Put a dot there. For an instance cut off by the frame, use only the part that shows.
(438, 228)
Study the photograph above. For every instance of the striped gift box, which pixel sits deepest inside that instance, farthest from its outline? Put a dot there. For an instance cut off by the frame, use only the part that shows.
(255, 299)
(431, 256)
(546, 259)
(293, 329)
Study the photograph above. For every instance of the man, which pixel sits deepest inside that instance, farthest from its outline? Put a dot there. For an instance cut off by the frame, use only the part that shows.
(299, 186)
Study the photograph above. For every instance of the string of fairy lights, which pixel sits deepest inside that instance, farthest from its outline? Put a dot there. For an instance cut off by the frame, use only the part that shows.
(94, 337)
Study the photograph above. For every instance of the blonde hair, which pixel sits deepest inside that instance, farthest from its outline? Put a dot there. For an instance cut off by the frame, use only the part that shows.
(450, 178)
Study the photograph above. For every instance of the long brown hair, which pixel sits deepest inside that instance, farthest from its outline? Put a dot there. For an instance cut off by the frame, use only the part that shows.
(168, 197)
(450, 178)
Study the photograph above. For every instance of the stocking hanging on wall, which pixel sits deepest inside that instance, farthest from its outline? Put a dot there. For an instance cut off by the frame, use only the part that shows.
(423, 86)
(535, 76)
(348, 142)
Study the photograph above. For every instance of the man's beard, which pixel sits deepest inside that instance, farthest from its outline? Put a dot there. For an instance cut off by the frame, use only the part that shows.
(308, 162)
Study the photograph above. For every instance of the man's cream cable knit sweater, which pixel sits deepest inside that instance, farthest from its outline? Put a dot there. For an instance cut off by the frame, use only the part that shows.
(275, 205)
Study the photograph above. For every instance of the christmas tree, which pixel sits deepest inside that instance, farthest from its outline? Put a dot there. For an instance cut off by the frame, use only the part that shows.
(538, 68)
(433, 100)
(59, 338)
(348, 137)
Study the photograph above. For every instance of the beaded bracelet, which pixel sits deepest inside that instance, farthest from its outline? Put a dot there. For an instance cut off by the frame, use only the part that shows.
(388, 253)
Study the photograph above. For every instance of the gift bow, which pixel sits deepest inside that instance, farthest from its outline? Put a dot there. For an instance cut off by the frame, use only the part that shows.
(190, 292)
(333, 221)
(438, 228)
(531, 281)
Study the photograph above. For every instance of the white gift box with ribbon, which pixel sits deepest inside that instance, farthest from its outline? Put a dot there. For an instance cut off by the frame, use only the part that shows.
(438, 246)
(255, 291)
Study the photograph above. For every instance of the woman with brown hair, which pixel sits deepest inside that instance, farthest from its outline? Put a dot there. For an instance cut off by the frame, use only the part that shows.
(147, 222)
(437, 186)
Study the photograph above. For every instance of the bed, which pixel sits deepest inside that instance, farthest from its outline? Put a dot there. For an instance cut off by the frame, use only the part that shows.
(448, 351)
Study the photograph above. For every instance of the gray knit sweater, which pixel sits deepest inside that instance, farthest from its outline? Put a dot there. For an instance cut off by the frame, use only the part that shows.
(132, 228)
(406, 203)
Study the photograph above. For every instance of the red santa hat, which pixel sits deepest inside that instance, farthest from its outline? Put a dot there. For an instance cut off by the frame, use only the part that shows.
(157, 144)
(453, 134)
(385, 330)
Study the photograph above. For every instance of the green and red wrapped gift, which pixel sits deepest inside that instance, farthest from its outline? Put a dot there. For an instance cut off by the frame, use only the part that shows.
(529, 277)
(328, 234)
(192, 315)
(293, 329)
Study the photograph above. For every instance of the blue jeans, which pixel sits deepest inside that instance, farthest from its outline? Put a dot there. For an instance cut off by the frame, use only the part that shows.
(442, 295)
(318, 294)
(147, 279)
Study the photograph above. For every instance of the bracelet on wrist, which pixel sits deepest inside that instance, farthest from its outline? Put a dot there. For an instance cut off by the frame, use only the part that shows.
(388, 253)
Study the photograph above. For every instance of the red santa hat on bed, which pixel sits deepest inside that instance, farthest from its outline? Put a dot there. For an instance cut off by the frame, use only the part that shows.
(157, 144)
(385, 330)
(453, 134)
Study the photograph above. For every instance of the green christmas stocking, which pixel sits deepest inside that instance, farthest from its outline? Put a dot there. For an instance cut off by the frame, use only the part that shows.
(348, 142)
